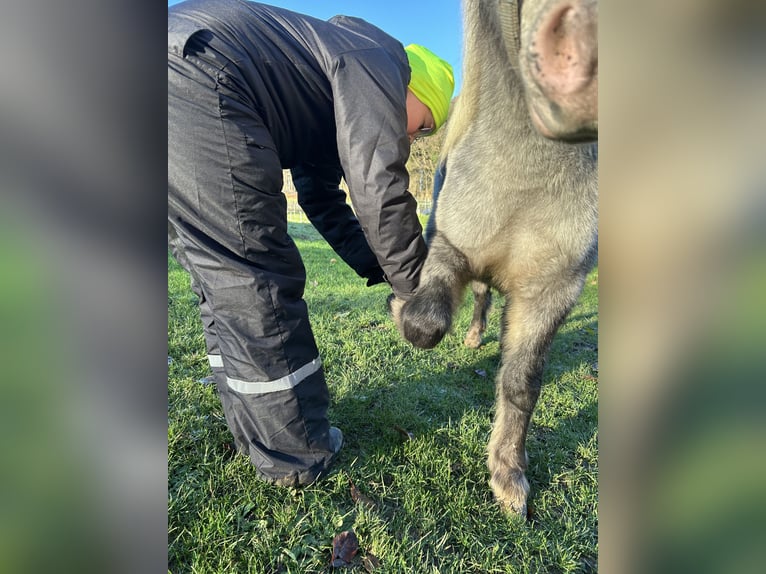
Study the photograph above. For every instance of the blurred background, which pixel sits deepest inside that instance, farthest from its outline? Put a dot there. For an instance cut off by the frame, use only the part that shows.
(682, 272)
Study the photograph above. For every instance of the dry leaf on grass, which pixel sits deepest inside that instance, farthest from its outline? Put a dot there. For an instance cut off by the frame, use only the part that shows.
(344, 547)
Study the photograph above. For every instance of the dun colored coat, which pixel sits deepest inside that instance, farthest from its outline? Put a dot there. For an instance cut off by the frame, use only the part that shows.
(517, 210)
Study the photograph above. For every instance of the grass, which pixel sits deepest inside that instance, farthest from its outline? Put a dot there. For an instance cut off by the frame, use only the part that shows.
(428, 505)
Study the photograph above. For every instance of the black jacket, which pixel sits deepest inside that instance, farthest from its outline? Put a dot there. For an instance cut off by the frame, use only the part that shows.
(330, 93)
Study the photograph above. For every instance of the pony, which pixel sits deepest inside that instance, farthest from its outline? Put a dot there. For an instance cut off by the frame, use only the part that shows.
(518, 209)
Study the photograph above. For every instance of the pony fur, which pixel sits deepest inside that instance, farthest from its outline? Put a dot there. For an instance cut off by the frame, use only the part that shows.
(518, 212)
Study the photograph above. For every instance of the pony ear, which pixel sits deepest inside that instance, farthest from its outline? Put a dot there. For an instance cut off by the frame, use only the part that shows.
(560, 54)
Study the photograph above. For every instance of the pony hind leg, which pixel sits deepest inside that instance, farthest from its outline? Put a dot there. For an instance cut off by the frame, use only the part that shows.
(482, 301)
(530, 323)
(425, 318)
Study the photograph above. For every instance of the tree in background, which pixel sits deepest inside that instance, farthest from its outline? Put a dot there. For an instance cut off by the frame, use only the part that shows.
(424, 156)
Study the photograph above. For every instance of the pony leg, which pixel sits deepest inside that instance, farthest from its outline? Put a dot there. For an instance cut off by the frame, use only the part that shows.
(482, 301)
(530, 323)
(425, 318)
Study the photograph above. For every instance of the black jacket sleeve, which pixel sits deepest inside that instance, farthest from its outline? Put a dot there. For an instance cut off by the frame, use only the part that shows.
(324, 203)
(369, 91)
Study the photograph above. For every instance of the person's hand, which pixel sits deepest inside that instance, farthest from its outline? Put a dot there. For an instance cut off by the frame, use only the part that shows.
(375, 277)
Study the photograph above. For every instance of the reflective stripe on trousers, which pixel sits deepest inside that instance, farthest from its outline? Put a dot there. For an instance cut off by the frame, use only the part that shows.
(263, 387)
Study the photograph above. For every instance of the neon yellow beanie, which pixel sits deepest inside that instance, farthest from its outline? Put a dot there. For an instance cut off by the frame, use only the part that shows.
(431, 81)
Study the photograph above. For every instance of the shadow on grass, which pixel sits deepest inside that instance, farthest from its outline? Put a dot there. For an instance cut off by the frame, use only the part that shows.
(447, 392)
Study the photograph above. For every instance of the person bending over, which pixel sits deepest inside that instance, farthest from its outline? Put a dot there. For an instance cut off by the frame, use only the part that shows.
(252, 90)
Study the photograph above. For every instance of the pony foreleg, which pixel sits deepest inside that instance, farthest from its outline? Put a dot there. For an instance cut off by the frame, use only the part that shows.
(530, 323)
(425, 318)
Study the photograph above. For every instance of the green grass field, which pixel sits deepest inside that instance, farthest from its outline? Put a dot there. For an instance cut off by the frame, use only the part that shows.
(426, 506)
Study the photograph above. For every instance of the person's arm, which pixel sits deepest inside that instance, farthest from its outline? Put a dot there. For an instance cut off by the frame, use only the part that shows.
(369, 91)
(324, 203)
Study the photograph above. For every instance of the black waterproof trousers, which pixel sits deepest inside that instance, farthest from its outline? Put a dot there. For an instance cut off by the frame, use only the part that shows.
(228, 229)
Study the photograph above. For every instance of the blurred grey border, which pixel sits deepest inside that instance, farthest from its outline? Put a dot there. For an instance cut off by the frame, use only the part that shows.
(682, 272)
(682, 335)
(83, 308)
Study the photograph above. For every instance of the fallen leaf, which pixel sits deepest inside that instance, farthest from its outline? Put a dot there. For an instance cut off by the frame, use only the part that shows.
(370, 562)
(333, 260)
(358, 497)
(405, 433)
(344, 547)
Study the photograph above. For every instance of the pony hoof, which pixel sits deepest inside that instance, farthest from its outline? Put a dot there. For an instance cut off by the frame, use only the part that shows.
(514, 508)
(418, 330)
(472, 339)
(424, 331)
(511, 490)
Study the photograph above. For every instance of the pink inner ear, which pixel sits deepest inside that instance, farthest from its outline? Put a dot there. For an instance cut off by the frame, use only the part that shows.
(567, 50)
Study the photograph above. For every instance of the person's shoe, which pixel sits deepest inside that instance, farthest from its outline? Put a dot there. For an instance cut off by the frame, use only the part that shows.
(336, 440)
(309, 476)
